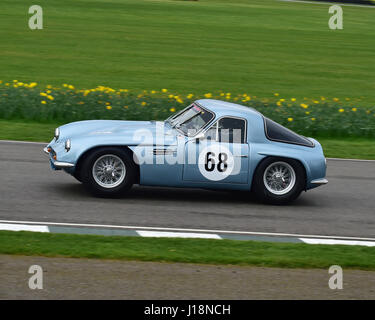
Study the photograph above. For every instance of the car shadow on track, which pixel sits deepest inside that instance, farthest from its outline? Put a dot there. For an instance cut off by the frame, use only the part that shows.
(143, 193)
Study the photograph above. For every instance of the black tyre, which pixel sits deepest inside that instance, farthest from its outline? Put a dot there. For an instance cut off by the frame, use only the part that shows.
(108, 172)
(279, 180)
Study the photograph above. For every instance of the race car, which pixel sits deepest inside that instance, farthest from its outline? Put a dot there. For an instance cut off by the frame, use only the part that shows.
(210, 144)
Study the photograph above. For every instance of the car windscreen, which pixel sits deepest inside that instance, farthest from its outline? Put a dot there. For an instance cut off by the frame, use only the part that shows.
(192, 120)
(277, 132)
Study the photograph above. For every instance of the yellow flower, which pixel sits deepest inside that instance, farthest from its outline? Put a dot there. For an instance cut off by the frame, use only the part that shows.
(172, 109)
(189, 96)
(313, 119)
(278, 103)
(43, 94)
(171, 96)
(126, 107)
(107, 103)
(282, 100)
(341, 110)
(303, 105)
(108, 107)
(208, 95)
(32, 84)
(307, 112)
(50, 97)
(276, 94)
(316, 101)
(290, 119)
(153, 91)
(143, 103)
(43, 102)
(70, 87)
(293, 99)
(164, 90)
(354, 109)
(336, 99)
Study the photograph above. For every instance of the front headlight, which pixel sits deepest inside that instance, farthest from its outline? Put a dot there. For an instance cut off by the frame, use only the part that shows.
(57, 134)
(68, 145)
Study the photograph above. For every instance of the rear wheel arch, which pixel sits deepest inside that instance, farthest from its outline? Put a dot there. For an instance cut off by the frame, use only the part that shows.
(267, 193)
(279, 157)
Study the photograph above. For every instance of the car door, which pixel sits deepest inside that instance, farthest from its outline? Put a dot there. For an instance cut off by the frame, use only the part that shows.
(219, 156)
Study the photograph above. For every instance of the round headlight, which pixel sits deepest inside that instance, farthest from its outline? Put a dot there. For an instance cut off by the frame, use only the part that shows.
(68, 145)
(57, 134)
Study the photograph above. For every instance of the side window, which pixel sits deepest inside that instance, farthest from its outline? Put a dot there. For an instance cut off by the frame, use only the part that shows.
(229, 130)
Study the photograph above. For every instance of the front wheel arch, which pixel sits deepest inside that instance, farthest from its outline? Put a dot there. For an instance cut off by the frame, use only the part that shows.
(84, 155)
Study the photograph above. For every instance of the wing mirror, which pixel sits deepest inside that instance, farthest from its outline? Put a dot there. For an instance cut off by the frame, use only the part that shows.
(199, 136)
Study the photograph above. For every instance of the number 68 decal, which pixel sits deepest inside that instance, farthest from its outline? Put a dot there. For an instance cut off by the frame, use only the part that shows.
(215, 162)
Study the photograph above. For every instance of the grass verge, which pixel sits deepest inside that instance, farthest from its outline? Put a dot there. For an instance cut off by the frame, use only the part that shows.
(205, 251)
(333, 147)
(256, 46)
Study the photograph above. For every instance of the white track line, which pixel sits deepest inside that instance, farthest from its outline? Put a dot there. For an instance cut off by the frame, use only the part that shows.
(23, 142)
(17, 227)
(177, 234)
(342, 159)
(190, 230)
(330, 3)
(332, 241)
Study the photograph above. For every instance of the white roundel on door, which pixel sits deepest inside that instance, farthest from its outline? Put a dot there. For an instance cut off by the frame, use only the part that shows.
(215, 162)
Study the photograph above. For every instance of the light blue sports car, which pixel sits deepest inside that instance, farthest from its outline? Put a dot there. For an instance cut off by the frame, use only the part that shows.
(210, 144)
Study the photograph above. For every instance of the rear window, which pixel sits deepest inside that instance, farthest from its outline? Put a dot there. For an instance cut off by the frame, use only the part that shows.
(277, 132)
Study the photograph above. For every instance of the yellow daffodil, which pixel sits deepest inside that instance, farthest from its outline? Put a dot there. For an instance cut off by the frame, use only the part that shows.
(290, 119)
(313, 119)
(143, 103)
(172, 110)
(293, 99)
(341, 110)
(354, 109)
(43, 102)
(108, 107)
(164, 90)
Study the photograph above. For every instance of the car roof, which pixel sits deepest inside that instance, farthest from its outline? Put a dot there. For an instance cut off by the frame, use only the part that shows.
(227, 108)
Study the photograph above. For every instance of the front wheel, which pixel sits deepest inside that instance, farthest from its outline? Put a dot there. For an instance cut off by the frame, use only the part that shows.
(108, 172)
(279, 180)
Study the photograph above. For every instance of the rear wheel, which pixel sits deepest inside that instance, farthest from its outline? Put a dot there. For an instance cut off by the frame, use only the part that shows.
(108, 172)
(279, 180)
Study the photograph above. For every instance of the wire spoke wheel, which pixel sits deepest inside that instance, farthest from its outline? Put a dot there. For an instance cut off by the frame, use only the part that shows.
(109, 171)
(279, 178)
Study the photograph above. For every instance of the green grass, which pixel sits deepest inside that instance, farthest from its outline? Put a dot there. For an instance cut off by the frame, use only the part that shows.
(205, 251)
(43, 132)
(255, 46)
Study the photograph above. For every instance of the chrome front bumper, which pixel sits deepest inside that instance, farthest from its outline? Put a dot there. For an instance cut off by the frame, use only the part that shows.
(319, 182)
(58, 164)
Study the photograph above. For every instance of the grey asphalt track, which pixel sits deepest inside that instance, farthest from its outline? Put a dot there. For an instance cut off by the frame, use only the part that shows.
(31, 191)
